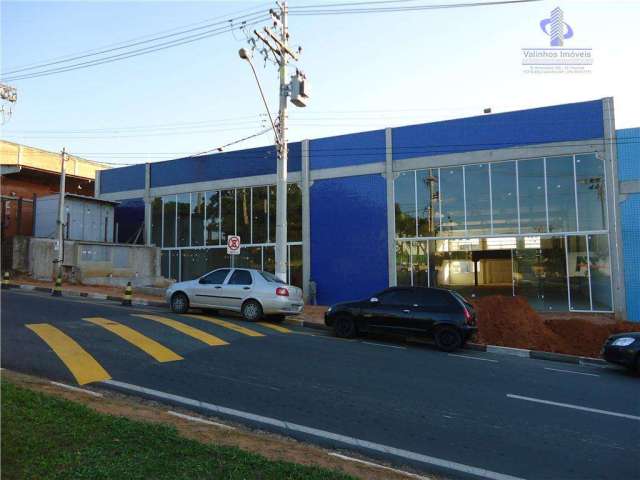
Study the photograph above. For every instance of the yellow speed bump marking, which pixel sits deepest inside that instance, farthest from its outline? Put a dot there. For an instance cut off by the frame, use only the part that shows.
(186, 329)
(275, 327)
(229, 325)
(82, 365)
(144, 343)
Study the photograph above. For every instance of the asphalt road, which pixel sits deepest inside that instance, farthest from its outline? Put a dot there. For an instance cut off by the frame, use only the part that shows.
(464, 415)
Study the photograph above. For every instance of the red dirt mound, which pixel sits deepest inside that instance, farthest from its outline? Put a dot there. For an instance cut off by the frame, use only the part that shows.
(511, 322)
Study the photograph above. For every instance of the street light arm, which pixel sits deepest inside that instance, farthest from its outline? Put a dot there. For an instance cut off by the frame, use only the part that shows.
(264, 100)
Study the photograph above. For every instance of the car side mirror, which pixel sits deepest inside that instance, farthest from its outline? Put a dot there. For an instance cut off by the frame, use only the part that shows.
(374, 300)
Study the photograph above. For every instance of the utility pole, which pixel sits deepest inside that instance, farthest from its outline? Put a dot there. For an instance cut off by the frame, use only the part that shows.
(276, 40)
(60, 258)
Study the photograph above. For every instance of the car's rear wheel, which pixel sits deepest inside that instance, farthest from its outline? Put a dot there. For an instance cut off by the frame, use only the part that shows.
(179, 303)
(345, 327)
(448, 338)
(251, 311)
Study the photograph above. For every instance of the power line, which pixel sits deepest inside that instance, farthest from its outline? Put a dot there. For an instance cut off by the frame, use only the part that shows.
(321, 10)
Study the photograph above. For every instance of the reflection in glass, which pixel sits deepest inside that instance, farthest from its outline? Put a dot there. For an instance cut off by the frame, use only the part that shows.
(212, 220)
(193, 263)
(269, 259)
(452, 201)
(478, 201)
(577, 260)
(164, 263)
(217, 258)
(228, 225)
(600, 268)
(169, 212)
(249, 257)
(428, 202)
(533, 217)
(561, 194)
(592, 212)
(420, 264)
(295, 265)
(175, 265)
(272, 214)
(294, 213)
(243, 199)
(405, 204)
(184, 211)
(259, 215)
(197, 218)
(156, 221)
(403, 263)
(504, 197)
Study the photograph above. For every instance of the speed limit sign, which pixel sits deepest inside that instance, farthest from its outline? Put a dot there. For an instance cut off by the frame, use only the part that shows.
(233, 245)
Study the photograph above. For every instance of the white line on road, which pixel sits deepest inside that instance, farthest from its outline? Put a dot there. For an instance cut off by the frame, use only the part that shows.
(384, 345)
(376, 465)
(473, 358)
(575, 407)
(76, 389)
(571, 371)
(199, 420)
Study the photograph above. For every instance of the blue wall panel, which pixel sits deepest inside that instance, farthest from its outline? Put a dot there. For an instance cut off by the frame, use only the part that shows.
(122, 179)
(349, 237)
(575, 121)
(129, 215)
(628, 147)
(346, 150)
(241, 163)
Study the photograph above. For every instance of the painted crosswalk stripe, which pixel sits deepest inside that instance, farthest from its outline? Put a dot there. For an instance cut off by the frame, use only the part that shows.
(229, 325)
(144, 343)
(80, 363)
(275, 327)
(196, 333)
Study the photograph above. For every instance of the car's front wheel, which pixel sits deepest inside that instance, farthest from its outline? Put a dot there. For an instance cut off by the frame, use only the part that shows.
(251, 311)
(345, 327)
(448, 338)
(179, 303)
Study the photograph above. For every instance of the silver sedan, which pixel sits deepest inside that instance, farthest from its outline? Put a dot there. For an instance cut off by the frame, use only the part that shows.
(253, 293)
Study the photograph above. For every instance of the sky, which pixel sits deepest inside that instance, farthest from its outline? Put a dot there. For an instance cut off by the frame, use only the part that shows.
(367, 71)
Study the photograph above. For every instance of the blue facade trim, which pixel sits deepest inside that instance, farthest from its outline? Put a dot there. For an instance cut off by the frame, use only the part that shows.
(349, 237)
(628, 148)
(220, 166)
(122, 179)
(347, 150)
(129, 216)
(560, 123)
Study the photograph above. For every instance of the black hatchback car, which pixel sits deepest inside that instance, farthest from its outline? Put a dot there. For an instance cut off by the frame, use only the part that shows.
(445, 315)
(623, 349)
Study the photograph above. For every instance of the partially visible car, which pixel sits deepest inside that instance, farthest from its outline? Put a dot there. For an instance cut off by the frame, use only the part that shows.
(253, 293)
(443, 314)
(623, 349)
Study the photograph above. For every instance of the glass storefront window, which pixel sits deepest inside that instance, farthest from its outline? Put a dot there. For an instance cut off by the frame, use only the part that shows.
(175, 265)
(504, 197)
(419, 265)
(193, 263)
(600, 270)
(184, 211)
(197, 219)
(561, 194)
(228, 226)
(452, 201)
(533, 215)
(478, 199)
(578, 268)
(243, 222)
(405, 204)
(428, 202)
(403, 263)
(169, 213)
(294, 213)
(156, 221)
(295, 265)
(164, 263)
(217, 258)
(249, 257)
(591, 192)
(269, 259)
(259, 215)
(272, 214)
(212, 218)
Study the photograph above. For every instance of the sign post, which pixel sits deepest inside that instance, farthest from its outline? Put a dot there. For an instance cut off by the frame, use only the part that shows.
(233, 245)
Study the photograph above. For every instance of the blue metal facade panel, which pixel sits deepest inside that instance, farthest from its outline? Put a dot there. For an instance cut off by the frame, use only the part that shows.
(628, 148)
(129, 215)
(575, 121)
(349, 237)
(347, 150)
(122, 179)
(219, 166)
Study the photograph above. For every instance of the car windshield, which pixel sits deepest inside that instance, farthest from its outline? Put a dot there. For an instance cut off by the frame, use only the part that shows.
(270, 277)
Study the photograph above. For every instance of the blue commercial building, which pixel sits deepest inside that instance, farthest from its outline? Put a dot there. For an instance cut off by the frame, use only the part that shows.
(543, 203)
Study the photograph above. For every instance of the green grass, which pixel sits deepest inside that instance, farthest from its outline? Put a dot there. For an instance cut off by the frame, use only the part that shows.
(44, 437)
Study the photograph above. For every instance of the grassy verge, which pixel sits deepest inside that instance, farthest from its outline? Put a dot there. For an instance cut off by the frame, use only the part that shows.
(46, 437)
